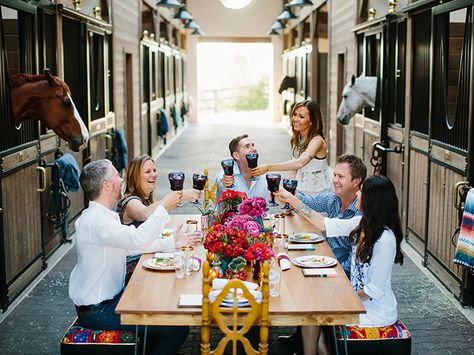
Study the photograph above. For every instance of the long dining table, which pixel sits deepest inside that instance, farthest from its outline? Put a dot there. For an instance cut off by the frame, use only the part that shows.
(151, 297)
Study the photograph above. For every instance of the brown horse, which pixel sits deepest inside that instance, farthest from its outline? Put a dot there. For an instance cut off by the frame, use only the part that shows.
(47, 98)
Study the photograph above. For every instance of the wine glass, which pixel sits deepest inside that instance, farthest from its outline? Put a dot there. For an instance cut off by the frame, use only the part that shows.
(228, 166)
(176, 182)
(199, 181)
(290, 186)
(252, 161)
(273, 183)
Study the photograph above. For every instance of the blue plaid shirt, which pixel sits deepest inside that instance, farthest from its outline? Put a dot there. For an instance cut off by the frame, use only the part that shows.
(331, 204)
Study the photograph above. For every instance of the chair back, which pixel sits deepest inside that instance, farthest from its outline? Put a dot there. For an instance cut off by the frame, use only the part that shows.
(240, 319)
(209, 193)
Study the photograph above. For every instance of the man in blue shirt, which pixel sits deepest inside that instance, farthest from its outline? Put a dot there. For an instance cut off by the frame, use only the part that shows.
(241, 180)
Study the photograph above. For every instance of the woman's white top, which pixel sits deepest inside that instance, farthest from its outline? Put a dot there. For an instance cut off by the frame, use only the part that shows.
(374, 277)
(314, 177)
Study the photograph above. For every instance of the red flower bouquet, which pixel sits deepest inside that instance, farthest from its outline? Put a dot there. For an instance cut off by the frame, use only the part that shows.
(258, 252)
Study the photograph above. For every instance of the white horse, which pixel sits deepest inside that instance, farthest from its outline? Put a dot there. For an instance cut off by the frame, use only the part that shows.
(357, 94)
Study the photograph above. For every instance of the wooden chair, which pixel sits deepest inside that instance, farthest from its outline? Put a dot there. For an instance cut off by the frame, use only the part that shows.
(209, 193)
(257, 314)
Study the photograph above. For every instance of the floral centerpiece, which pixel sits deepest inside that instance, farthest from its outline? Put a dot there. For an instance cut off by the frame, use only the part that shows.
(236, 235)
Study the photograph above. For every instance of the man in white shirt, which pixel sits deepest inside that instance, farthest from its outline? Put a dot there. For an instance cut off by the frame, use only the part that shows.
(102, 242)
(239, 147)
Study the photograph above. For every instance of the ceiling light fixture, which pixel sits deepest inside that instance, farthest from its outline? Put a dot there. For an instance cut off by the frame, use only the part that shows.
(235, 4)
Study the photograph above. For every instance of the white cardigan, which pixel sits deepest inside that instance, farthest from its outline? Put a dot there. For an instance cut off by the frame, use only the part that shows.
(374, 277)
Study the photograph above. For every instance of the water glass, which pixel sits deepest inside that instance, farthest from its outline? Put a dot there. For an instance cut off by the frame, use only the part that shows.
(191, 226)
(188, 252)
(280, 223)
(180, 265)
(274, 281)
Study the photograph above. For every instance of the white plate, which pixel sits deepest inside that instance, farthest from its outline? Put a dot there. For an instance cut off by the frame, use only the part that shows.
(313, 261)
(305, 238)
(229, 302)
(152, 264)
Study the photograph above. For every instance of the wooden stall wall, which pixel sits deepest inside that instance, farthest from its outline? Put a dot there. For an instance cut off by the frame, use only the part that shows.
(126, 71)
(342, 19)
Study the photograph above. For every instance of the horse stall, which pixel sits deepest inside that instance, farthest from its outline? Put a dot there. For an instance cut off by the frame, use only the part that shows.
(417, 127)
(29, 43)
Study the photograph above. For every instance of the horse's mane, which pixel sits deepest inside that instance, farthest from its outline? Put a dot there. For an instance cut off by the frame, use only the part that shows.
(21, 79)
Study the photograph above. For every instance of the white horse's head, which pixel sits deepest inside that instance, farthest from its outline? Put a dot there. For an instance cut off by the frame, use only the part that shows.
(357, 94)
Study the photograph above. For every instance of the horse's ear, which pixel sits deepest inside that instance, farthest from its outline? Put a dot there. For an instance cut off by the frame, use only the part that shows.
(353, 80)
(49, 77)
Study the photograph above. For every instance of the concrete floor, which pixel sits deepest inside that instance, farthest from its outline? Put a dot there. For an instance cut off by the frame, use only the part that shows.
(35, 323)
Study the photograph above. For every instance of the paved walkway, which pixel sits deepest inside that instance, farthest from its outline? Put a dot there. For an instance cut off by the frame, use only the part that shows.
(37, 323)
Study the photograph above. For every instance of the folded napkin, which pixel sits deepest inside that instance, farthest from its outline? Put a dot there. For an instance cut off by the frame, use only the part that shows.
(464, 254)
(217, 284)
(163, 255)
(320, 272)
(301, 247)
(284, 261)
(196, 263)
(190, 301)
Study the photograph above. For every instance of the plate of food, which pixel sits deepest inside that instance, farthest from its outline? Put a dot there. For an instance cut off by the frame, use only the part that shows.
(314, 261)
(305, 238)
(159, 264)
(228, 300)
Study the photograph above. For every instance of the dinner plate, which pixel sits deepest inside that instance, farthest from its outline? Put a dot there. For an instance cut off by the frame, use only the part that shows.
(229, 300)
(305, 238)
(314, 261)
(159, 264)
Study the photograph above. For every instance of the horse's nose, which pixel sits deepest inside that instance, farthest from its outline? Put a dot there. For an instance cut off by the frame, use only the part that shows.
(78, 143)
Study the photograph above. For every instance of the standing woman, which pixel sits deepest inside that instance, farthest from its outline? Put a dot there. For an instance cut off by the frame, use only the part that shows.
(376, 237)
(139, 202)
(309, 149)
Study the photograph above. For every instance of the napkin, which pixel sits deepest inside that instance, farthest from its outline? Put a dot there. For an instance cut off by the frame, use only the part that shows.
(320, 272)
(284, 261)
(301, 247)
(196, 263)
(163, 255)
(217, 284)
(190, 301)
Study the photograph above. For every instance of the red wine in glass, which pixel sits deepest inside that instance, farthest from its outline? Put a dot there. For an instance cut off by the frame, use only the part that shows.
(176, 182)
(290, 186)
(228, 166)
(199, 182)
(252, 161)
(273, 183)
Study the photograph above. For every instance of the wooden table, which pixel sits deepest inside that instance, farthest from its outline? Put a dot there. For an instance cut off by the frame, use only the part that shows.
(151, 297)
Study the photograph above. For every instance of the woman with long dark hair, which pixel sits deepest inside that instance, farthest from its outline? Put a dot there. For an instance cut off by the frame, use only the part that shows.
(309, 149)
(376, 238)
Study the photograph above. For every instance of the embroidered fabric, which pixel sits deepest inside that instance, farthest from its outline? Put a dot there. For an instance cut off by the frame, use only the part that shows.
(315, 177)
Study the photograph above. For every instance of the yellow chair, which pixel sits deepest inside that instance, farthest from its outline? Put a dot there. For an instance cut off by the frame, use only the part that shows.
(256, 314)
(209, 193)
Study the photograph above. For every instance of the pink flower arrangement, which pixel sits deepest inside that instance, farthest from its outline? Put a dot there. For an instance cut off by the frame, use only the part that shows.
(246, 223)
(254, 207)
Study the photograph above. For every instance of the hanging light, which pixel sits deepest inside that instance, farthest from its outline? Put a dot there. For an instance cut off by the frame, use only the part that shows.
(300, 3)
(182, 15)
(198, 32)
(273, 32)
(175, 4)
(235, 4)
(277, 25)
(286, 15)
(191, 25)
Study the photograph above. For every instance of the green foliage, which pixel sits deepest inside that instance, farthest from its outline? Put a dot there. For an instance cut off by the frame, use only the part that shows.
(254, 98)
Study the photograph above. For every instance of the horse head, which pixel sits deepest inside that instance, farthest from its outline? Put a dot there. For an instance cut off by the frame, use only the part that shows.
(48, 99)
(358, 93)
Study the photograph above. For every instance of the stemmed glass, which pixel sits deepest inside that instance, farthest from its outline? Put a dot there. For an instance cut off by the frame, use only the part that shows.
(273, 183)
(252, 161)
(199, 181)
(290, 186)
(176, 182)
(228, 166)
